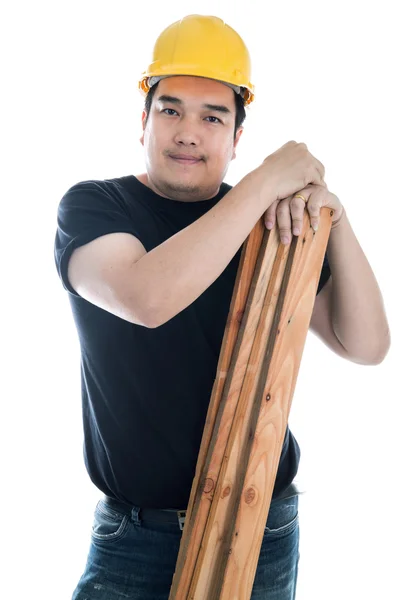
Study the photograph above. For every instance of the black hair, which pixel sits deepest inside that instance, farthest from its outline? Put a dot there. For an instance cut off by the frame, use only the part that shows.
(239, 104)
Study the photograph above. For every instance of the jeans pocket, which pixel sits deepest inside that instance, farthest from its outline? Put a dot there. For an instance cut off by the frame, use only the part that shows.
(108, 524)
(283, 517)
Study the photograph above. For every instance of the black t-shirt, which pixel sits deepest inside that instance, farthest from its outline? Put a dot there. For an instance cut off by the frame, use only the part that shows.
(145, 392)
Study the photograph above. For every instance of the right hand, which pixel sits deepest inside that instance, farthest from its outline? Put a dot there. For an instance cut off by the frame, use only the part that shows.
(288, 170)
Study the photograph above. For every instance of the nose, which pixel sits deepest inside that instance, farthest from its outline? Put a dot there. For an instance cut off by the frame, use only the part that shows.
(187, 134)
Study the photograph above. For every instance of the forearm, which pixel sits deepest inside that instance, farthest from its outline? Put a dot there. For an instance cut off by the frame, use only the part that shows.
(358, 314)
(174, 274)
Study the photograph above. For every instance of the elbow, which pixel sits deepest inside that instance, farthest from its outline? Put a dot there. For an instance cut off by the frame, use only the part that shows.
(150, 315)
(379, 356)
(136, 310)
(156, 311)
(155, 319)
(145, 306)
(385, 347)
(151, 322)
(140, 303)
(146, 317)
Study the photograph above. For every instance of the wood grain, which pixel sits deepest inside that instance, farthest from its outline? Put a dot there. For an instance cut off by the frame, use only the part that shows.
(234, 329)
(249, 408)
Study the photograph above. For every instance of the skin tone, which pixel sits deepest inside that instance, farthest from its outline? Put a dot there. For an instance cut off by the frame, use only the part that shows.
(187, 127)
(192, 117)
(189, 144)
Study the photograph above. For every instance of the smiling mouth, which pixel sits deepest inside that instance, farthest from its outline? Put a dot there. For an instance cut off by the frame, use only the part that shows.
(186, 161)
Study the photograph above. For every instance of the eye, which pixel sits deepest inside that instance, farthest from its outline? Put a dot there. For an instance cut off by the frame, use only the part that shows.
(170, 109)
(216, 119)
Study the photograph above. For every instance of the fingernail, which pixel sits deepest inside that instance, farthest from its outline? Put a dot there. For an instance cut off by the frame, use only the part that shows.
(296, 231)
(269, 225)
(315, 226)
(285, 240)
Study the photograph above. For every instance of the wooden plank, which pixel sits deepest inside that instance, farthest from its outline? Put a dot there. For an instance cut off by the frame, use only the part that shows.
(271, 409)
(244, 434)
(216, 544)
(234, 329)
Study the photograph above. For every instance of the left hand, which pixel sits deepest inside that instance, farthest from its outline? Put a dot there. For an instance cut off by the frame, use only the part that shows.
(290, 211)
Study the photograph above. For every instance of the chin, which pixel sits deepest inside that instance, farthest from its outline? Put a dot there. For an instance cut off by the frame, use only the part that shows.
(183, 186)
(180, 187)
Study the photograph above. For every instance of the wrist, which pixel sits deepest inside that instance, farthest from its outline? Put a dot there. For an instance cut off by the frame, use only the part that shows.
(337, 221)
(262, 185)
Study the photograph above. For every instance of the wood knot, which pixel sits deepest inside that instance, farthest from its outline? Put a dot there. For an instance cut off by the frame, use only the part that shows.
(239, 316)
(249, 495)
(226, 492)
(268, 398)
(331, 213)
(208, 485)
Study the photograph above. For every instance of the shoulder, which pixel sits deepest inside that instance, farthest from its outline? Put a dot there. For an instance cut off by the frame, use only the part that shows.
(93, 193)
(92, 204)
(101, 186)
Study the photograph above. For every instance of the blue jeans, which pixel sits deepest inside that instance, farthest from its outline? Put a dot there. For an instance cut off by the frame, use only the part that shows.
(130, 559)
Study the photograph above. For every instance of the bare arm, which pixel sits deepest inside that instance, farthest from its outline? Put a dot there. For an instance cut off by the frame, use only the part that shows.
(116, 273)
(358, 314)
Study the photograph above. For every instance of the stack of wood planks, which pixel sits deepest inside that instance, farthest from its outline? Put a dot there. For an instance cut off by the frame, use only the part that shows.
(248, 414)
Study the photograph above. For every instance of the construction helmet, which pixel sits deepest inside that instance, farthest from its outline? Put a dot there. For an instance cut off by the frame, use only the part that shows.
(201, 46)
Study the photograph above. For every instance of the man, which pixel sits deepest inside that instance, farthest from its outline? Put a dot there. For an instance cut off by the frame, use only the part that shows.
(150, 263)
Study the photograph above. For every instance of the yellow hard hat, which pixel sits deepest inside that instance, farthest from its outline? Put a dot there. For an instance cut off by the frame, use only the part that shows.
(201, 46)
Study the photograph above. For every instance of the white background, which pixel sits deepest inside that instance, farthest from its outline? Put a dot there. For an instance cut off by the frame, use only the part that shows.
(325, 74)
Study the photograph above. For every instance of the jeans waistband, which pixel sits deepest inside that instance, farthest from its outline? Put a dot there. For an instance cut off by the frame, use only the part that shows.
(162, 515)
(157, 515)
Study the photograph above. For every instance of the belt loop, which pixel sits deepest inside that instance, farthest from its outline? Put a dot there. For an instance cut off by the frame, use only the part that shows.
(181, 518)
(135, 515)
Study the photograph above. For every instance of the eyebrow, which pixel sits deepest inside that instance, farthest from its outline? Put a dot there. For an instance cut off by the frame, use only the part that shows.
(215, 107)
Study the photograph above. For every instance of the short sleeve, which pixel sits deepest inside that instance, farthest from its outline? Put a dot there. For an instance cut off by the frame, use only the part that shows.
(87, 211)
(325, 274)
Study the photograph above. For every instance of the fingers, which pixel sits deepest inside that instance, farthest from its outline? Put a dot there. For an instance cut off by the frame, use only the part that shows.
(279, 212)
(297, 206)
(314, 210)
(270, 215)
(284, 221)
(289, 214)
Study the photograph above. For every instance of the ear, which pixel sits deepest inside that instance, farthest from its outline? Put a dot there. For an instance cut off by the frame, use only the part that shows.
(235, 143)
(144, 117)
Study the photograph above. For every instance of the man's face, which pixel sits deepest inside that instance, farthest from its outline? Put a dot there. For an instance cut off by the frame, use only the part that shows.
(188, 137)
